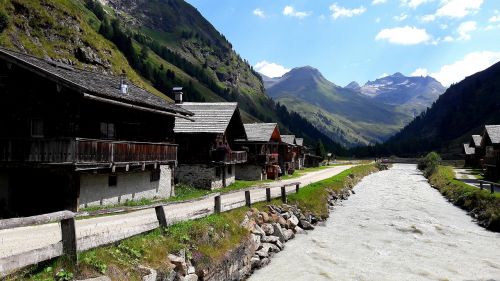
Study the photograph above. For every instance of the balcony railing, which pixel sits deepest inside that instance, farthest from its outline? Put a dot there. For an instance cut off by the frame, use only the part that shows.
(84, 151)
(229, 157)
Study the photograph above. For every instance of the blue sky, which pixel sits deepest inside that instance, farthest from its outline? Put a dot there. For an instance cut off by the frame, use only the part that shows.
(361, 40)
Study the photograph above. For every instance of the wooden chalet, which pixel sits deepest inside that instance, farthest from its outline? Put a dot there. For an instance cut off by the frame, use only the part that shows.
(491, 144)
(469, 155)
(288, 154)
(299, 150)
(473, 152)
(262, 146)
(207, 158)
(72, 138)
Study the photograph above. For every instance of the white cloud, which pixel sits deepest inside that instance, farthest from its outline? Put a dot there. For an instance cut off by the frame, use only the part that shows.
(383, 75)
(428, 18)
(458, 8)
(465, 28)
(258, 12)
(404, 35)
(271, 69)
(470, 64)
(414, 3)
(291, 12)
(494, 19)
(420, 72)
(377, 20)
(378, 2)
(401, 17)
(338, 11)
(448, 39)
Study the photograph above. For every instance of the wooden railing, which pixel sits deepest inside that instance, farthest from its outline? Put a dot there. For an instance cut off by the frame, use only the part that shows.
(84, 151)
(229, 157)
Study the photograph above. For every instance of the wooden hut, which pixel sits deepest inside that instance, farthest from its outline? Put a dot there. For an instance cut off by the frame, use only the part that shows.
(469, 155)
(288, 154)
(207, 155)
(72, 138)
(491, 144)
(300, 152)
(262, 146)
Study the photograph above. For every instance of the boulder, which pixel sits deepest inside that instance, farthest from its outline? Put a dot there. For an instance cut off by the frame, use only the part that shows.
(257, 230)
(306, 225)
(100, 278)
(265, 216)
(179, 263)
(256, 239)
(255, 262)
(285, 215)
(281, 221)
(268, 228)
(264, 262)
(288, 234)
(280, 245)
(269, 239)
(270, 248)
(299, 230)
(191, 270)
(294, 221)
(151, 275)
(278, 231)
(262, 253)
(191, 277)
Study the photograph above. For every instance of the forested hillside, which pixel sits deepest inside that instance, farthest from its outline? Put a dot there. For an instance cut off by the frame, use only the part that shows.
(158, 44)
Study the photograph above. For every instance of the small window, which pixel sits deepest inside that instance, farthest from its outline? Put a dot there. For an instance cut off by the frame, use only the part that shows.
(217, 172)
(155, 175)
(37, 128)
(230, 169)
(107, 130)
(113, 180)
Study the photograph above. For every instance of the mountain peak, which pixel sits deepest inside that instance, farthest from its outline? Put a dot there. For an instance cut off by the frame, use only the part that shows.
(398, 74)
(353, 86)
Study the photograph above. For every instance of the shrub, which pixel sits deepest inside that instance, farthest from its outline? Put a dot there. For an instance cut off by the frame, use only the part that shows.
(4, 21)
(429, 163)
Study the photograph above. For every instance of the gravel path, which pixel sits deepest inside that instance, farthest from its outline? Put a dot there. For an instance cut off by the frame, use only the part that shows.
(94, 231)
(396, 227)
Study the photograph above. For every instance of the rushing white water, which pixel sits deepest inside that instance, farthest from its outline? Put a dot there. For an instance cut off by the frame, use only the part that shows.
(396, 227)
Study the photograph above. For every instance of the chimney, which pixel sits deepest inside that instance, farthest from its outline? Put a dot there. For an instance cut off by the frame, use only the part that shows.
(177, 94)
(123, 84)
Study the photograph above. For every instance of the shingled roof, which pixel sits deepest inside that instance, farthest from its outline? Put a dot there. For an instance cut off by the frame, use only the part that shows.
(260, 132)
(469, 150)
(208, 117)
(493, 132)
(288, 139)
(89, 82)
(476, 140)
(299, 141)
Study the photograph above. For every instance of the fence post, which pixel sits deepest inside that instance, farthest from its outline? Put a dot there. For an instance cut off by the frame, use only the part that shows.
(217, 207)
(68, 234)
(297, 187)
(283, 194)
(492, 188)
(248, 201)
(268, 194)
(481, 185)
(160, 215)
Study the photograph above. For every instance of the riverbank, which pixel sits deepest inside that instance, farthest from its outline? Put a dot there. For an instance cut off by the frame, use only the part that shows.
(480, 204)
(205, 242)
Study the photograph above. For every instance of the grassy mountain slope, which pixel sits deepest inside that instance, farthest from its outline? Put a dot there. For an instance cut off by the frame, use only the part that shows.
(345, 115)
(158, 43)
(461, 111)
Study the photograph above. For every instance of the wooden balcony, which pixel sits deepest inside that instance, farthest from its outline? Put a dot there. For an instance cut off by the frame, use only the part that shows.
(229, 157)
(79, 151)
(492, 158)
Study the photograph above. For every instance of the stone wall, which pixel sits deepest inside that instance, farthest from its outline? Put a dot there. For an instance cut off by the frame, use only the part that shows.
(95, 189)
(205, 176)
(250, 172)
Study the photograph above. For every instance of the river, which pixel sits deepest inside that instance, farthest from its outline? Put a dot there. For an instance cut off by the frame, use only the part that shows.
(396, 227)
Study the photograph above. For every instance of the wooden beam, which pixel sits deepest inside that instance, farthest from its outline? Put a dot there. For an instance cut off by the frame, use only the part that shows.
(160, 215)
(217, 204)
(68, 233)
(36, 220)
(248, 201)
(268, 194)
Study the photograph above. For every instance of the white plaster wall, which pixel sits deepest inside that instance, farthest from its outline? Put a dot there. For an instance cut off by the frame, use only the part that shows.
(230, 177)
(94, 189)
(249, 172)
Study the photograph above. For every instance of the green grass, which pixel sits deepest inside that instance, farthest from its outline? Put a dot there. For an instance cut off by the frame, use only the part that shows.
(482, 202)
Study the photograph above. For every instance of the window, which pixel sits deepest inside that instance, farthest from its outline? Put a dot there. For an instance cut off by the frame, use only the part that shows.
(107, 130)
(155, 175)
(37, 128)
(230, 169)
(112, 180)
(217, 172)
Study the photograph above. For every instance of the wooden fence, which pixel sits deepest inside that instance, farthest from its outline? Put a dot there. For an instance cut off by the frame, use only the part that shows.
(492, 185)
(69, 245)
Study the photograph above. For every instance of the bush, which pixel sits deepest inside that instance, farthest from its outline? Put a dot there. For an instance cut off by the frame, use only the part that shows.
(4, 21)
(429, 163)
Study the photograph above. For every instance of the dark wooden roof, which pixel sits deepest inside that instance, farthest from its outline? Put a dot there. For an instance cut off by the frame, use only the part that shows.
(260, 132)
(208, 117)
(475, 141)
(493, 132)
(288, 139)
(469, 150)
(89, 82)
